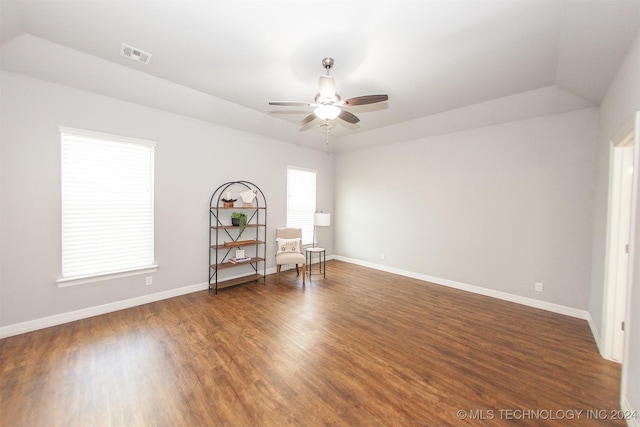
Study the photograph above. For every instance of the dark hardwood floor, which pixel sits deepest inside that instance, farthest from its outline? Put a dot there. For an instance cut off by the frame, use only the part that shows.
(358, 348)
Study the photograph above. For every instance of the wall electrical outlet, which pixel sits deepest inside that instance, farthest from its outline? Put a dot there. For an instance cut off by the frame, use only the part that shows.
(539, 287)
(149, 280)
(382, 256)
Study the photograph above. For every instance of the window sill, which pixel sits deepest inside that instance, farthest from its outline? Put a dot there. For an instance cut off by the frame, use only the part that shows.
(79, 280)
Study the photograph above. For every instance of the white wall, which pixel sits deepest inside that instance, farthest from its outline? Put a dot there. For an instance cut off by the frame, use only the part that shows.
(617, 108)
(620, 105)
(631, 364)
(500, 207)
(192, 159)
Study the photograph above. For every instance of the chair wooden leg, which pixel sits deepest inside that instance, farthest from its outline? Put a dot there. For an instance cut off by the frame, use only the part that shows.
(304, 272)
(297, 270)
(278, 273)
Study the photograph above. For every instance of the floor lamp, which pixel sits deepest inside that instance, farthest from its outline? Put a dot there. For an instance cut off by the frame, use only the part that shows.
(320, 219)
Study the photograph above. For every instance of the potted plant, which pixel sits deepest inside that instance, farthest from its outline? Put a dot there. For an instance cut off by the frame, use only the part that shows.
(228, 201)
(239, 219)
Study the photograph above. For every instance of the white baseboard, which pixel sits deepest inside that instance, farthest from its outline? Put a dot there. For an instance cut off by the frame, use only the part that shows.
(45, 322)
(633, 419)
(596, 337)
(58, 319)
(543, 305)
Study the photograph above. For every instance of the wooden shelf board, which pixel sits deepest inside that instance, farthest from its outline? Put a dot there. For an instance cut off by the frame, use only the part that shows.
(222, 227)
(239, 207)
(237, 281)
(231, 265)
(229, 245)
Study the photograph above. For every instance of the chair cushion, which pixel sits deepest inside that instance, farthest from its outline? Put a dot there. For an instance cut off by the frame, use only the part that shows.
(288, 245)
(290, 258)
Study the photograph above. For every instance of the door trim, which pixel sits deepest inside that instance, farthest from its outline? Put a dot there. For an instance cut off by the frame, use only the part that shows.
(617, 269)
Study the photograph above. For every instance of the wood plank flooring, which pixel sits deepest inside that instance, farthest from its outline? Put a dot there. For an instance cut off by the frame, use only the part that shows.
(358, 348)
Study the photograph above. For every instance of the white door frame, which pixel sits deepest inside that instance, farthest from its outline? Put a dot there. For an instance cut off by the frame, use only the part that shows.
(617, 268)
(633, 248)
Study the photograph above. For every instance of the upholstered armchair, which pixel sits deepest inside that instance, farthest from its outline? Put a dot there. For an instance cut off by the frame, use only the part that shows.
(289, 250)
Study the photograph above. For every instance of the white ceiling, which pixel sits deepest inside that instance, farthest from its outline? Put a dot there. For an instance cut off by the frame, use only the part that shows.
(446, 65)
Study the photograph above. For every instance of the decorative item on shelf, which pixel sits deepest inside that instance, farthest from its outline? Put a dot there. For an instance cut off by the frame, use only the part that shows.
(248, 197)
(240, 254)
(320, 219)
(239, 219)
(228, 200)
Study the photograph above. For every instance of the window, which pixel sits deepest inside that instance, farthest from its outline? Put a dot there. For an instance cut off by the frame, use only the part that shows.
(107, 204)
(301, 201)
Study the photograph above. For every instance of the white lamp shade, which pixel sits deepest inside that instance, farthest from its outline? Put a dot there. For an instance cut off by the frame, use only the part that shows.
(322, 219)
(327, 112)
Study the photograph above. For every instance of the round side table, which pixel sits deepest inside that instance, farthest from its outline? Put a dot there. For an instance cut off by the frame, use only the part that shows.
(321, 261)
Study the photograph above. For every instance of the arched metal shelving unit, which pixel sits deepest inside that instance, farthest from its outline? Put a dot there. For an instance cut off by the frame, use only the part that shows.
(225, 239)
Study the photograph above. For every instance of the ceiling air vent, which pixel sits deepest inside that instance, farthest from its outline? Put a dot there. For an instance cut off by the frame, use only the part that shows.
(135, 54)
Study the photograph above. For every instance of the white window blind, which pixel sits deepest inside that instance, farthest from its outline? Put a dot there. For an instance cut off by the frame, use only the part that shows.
(107, 203)
(301, 201)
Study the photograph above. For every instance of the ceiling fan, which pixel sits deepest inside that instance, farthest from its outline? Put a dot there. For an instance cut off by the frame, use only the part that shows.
(328, 104)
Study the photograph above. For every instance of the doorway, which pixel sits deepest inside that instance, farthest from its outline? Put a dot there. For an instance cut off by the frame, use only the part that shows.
(618, 241)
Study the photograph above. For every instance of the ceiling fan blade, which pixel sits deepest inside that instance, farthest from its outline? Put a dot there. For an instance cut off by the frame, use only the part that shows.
(348, 117)
(290, 103)
(308, 119)
(367, 99)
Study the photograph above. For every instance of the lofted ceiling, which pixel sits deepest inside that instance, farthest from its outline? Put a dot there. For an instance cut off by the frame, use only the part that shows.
(446, 65)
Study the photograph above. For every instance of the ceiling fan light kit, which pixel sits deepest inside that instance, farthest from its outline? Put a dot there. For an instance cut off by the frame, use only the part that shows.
(327, 112)
(328, 104)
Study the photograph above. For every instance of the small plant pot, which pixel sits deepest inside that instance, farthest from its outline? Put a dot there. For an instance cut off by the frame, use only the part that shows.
(228, 204)
(235, 222)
